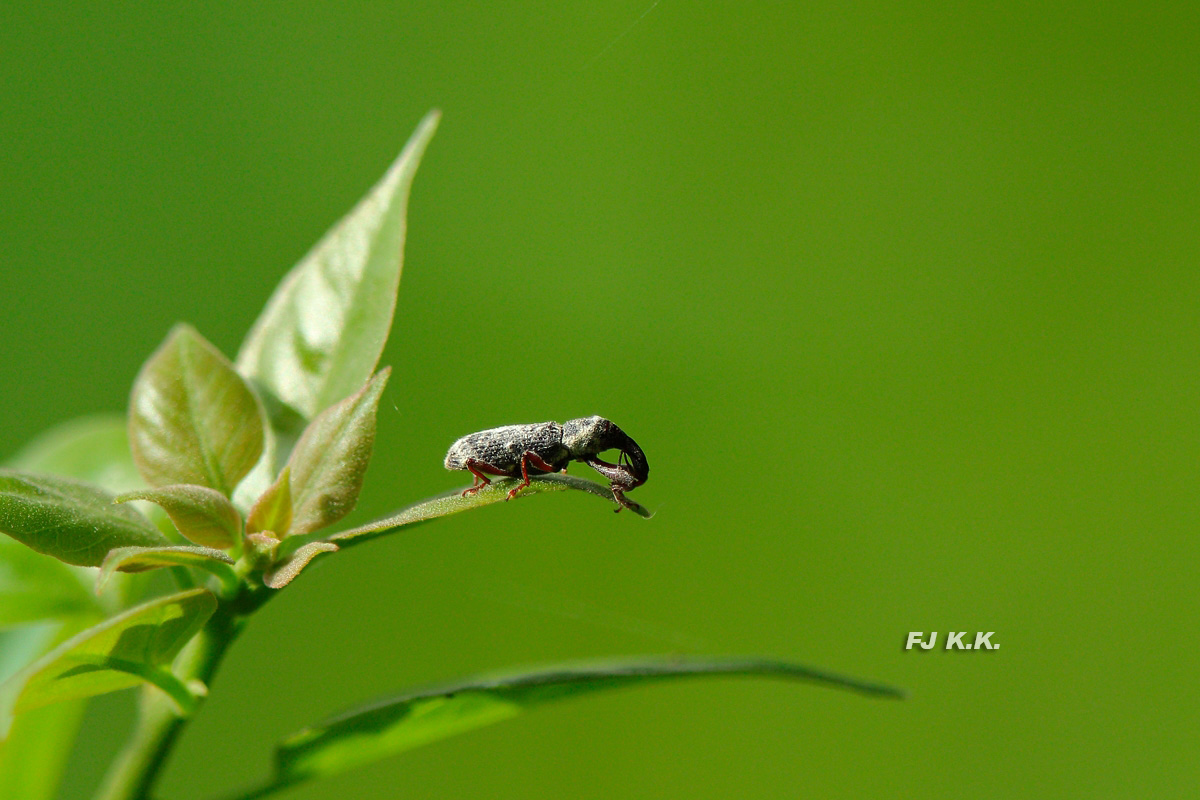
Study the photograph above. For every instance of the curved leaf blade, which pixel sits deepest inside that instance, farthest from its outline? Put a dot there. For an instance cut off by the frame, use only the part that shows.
(202, 515)
(140, 559)
(120, 652)
(327, 466)
(453, 502)
(192, 418)
(72, 521)
(285, 573)
(322, 332)
(393, 726)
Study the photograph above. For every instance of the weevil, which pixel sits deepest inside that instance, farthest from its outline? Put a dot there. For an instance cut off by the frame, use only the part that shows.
(545, 447)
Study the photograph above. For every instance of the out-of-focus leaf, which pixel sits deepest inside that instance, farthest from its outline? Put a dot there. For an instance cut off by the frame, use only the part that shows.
(37, 587)
(72, 521)
(140, 559)
(328, 463)
(284, 574)
(322, 332)
(93, 449)
(192, 419)
(202, 515)
(34, 755)
(273, 511)
(453, 502)
(393, 726)
(120, 652)
(19, 647)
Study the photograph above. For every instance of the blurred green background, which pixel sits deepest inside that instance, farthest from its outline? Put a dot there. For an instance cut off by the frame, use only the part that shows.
(900, 300)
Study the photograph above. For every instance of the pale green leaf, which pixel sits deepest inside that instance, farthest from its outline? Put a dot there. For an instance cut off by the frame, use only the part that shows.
(202, 515)
(327, 466)
(402, 723)
(140, 559)
(72, 521)
(37, 587)
(453, 502)
(321, 333)
(192, 418)
(34, 755)
(273, 511)
(20, 646)
(93, 449)
(133, 647)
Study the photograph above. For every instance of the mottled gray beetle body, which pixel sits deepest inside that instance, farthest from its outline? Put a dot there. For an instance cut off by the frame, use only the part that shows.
(519, 450)
(503, 447)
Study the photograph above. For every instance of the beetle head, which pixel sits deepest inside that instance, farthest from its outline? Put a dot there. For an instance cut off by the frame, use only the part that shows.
(589, 436)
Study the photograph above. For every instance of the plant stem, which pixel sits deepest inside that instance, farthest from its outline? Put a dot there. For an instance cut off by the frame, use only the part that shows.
(138, 767)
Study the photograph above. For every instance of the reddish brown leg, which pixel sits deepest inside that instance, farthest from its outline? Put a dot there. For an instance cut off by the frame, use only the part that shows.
(477, 468)
(527, 459)
(619, 493)
(619, 478)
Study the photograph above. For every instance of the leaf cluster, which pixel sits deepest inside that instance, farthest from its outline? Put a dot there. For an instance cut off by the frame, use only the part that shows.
(227, 476)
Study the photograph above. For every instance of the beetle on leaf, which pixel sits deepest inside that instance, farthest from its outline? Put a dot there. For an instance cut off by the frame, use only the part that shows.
(520, 450)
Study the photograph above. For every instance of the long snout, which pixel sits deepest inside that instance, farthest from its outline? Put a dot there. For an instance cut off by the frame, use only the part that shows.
(638, 470)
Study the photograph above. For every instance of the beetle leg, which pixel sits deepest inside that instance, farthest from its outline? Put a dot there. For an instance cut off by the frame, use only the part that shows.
(619, 492)
(620, 477)
(527, 459)
(477, 468)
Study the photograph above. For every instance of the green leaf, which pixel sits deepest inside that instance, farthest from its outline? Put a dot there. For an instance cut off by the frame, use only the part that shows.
(22, 645)
(93, 449)
(329, 462)
(284, 574)
(395, 725)
(453, 502)
(36, 587)
(192, 418)
(322, 332)
(72, 521)
(34, 755)
(273, 511)
(202, 515)
(140, 559)
(120, 652)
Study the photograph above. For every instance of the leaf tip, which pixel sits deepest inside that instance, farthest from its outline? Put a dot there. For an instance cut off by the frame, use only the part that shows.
(379, 382)
(182, 329)
(428, 124)
(414, 149)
